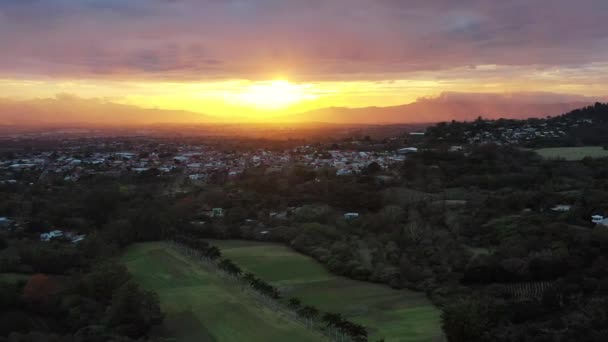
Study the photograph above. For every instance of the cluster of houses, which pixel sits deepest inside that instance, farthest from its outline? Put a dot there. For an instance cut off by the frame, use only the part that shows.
(352, 162)
(196, 161)
(61, 235)
(9, 225)
(516, 132)
(514, 135)
(598, 220)
(5, 223)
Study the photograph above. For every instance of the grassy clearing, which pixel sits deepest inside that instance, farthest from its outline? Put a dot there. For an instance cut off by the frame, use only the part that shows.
(202, 306)
(391, 314)
(573, 153)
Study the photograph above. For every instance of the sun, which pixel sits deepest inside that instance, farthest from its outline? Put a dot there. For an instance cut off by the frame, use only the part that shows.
(273, 95)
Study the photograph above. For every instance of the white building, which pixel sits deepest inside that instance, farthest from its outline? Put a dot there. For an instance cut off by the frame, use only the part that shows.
(562, 208)
(597, 218)
(5, 222)
(351, 216)
(407, 150)
(51, 235)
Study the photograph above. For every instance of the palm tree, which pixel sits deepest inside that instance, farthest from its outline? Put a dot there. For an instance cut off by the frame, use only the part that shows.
(309, 313)
(358, 333)
(294, 304)
(249, 278)
(213, 253)
(313, 314)
(230, 267)
(332, 321)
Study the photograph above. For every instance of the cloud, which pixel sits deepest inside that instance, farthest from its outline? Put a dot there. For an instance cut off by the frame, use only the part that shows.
(313, 40)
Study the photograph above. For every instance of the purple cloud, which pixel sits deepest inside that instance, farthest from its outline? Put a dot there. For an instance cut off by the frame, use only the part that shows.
(340, 39)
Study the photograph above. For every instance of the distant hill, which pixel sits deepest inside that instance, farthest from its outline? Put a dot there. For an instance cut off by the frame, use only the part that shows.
(67, 110)
(452, 106)
(598, 113)
(70, 110)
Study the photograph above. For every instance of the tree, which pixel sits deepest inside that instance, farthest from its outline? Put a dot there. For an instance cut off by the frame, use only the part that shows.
(332, 321)
(249, 277)
(373, 168)
(467, 320)
(309, 313)
(133, 311)
(103, 280)
(213, 253)
(39, 288)
(294, 304)
(230, 267)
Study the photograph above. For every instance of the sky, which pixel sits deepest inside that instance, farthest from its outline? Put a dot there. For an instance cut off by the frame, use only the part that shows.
(260, 59)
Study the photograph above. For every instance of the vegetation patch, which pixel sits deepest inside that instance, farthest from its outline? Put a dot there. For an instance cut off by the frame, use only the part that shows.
(573, 153)
(200, 305)
(14, 277)
(396, 315)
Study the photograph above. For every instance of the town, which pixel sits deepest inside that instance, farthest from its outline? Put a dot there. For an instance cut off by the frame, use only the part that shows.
(199, 162)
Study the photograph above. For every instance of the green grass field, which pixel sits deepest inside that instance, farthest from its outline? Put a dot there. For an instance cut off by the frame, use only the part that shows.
(396, 315)
(201, 306)
(573, 153)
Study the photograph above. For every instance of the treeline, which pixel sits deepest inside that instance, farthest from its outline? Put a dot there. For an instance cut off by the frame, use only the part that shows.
(102, 304)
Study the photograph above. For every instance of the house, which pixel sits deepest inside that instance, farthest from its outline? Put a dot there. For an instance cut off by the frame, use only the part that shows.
(600, 220)
(351, 216)
(217, 212)
(407, 150)
(455, 148)
(5, 223)
(562, 208)
(51, 235)
(194, 165)
(278, 216)
(597, 218)
(603, 222)
(180, 159)
(198, 177)
(74, 238)
(344, 172)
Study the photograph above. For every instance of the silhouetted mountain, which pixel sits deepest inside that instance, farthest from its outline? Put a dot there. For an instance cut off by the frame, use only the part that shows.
(453, 106)
(70, 110)
(65, 110)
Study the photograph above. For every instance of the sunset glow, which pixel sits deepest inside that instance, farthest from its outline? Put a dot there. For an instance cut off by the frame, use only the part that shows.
(267, 60)
(272, 95)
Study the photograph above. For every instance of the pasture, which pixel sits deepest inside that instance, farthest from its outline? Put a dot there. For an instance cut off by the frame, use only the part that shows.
(396, 315)
(202, 306)
(573, 153)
